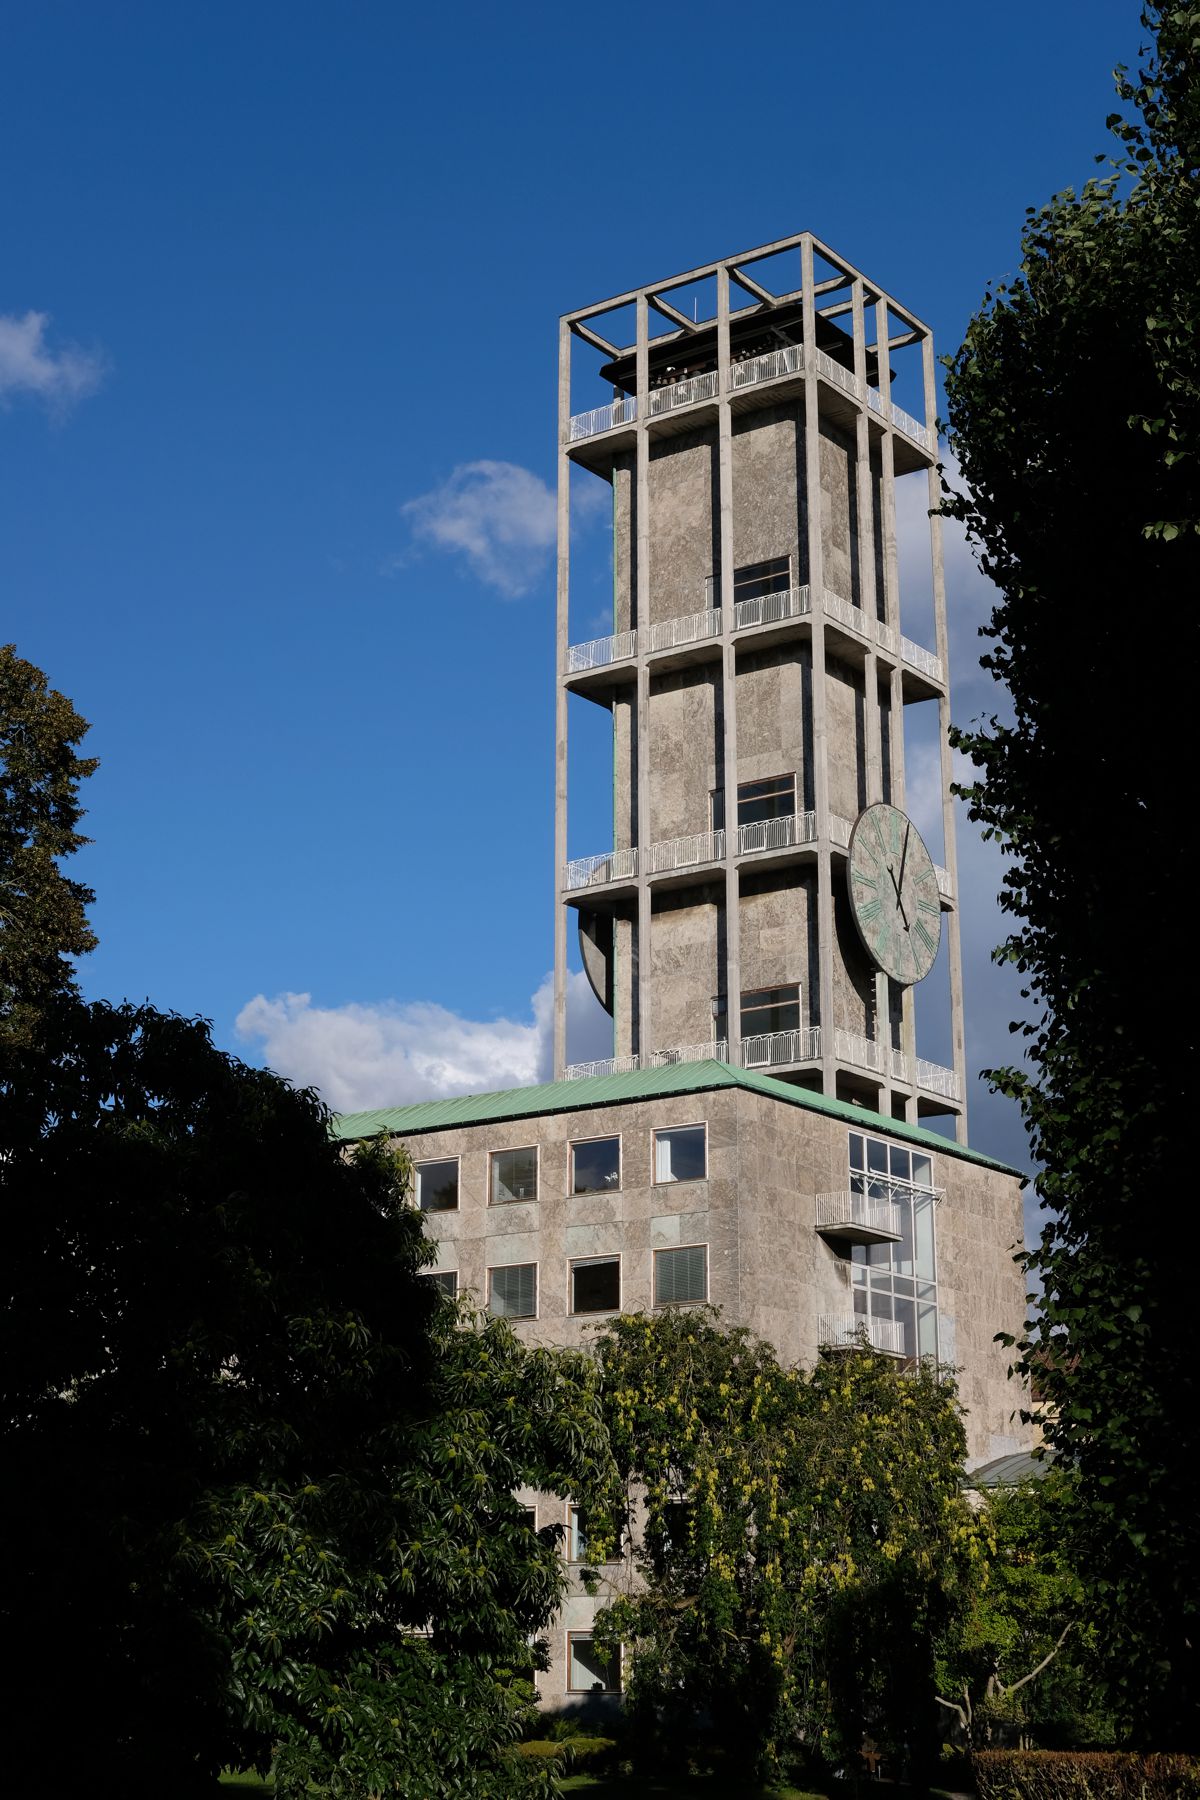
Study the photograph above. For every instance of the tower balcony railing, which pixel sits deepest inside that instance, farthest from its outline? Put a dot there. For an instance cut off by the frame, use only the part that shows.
(597, 653)
(684, 852)
(840, 1214)
(945, 884)
(862, 1052)
(607, 1065)
(841, 1332)
(776, 834)
(845, 612)
(785, 361)
(595, 871)
(911, 427)
(775, 1049)
(686, 628)
(846, 379)
(929, 1077)
(839, 831)
(887, 638)
(917, 657)
(772, 609)
(603, 418)
(682, 393)
(715, 1051)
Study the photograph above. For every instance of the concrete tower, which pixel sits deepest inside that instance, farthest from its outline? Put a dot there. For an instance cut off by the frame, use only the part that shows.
(757, 675)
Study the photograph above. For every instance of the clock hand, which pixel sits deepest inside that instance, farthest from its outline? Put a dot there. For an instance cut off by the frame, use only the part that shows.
(896, 885)
(904, 857)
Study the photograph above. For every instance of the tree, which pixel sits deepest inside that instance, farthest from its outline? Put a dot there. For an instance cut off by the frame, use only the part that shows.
(261, 1475)
(43, 913)
(1075, 416)
(800, 1539)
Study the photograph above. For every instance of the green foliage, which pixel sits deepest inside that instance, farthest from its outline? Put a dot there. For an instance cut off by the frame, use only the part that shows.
(801, 1538)
(260, 1475)
(1084, 1775)
(43, 916)
(1075, 415)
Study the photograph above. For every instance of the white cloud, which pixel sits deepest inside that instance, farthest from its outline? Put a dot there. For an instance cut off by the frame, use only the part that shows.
(29, 366)
(497, 516)
(389, 1053)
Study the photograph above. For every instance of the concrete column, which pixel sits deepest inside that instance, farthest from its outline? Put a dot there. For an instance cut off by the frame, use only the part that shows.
(641, 803)
(732, 972)
(950, 847)
(816, 578)
(865, 507)
(562, 636)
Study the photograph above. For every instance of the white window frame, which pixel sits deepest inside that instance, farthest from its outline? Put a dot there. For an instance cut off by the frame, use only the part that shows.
(657, 1305)
(692, 1125)
(515, 1318)
(619, 1689)
(601, 1137)
(599, 1312)
(571, 1557)
(512, 1150)
(428, 1162)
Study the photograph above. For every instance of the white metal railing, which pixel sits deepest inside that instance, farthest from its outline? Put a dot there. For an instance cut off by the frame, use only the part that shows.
(688, 628)
(863, 1052)
(683, 852)
(842, 1332)
(603, 418)
(594, 871)
(771, 1049)
(688, 1053)
(936, 1080)
(875, 401)
(899, 1066)
(845, 612)
(682, 393)
(611, 1065)
(918, 657)
(769, 609)
(886, 637)
(839, 831)
(857, 1209)
(597, 653)
(833, 371)
(777, 834)
(913, 428)
(785, 361)
(945, 885)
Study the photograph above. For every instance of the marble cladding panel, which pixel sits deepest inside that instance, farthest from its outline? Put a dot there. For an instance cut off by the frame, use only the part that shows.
(774, 715)
(838, 521)
(683, 752)
(853, 973)
(846, 738)
(684, 968)
(768, 488)
(774, 933)
(684, 522)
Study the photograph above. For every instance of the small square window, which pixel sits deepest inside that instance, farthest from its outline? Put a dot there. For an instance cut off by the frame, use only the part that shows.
(596, 1166)
(590, 1671)
(528, 1515)
(446, 1280)
(514, 1176)
(512, 1291)
(437, 1186)
(681, 1276)
(596, 1284)
(681, 1153)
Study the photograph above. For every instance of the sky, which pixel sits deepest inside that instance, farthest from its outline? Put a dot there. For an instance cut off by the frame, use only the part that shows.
(278, 308)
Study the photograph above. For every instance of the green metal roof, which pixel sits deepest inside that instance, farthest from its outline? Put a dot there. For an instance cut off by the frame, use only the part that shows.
(1010, 1470)
(616, 1090)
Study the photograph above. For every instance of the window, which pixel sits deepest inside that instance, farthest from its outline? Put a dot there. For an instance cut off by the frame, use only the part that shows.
(774, 798)
(512, 1291)
(528, 1517)
(590, 1671)
(437, 1186)
(897, 1281)
(596, 1166)
(770, 1010)
(681, 1276)
(769, 577)
(596, 1284)
(681, 1153)
(514, 1175)
(447, 1280)
(577, 1544)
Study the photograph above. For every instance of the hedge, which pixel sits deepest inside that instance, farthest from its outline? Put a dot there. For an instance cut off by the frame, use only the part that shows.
(1084, 1775)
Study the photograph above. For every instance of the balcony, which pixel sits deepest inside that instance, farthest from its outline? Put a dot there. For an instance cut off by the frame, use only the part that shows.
(777, 1049)
(772, 609)
(945, 885)
(598, 871)
(598, 653)
(931, 1078)
(861, 1052)
(603, 418)
(846, 613)
(776, 834)
(690, 1053)
(841, 1332)
(769, 1050)
(659, 1059)
(924, 661)
(684, 852)
(682, 393)
(858, 1218)
(687, 628)
(610, 1065)
(787, 361)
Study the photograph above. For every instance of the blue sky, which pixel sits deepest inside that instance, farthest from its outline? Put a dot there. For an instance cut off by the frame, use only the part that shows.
(274, 442)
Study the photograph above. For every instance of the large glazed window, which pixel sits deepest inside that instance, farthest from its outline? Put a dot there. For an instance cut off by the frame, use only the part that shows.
(514, 1176)
(512, 1291)
(774, 798)
(681, 1276)
(596, 1166)
(770, 577)
(446, 1280)
(596, 1284)
(681, 1153)
(771, 1009)
(437, 1186)
(589, 1670)
(898, 1281)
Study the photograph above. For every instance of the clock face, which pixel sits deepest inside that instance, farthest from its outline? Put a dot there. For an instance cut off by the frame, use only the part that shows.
(894, 894)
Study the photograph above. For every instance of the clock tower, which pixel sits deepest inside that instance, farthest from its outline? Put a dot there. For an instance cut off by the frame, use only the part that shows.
(764, 897)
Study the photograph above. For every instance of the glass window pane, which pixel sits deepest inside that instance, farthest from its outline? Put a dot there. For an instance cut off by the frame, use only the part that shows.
(596, 1166)
(856, 1151)
(437, 1186)
(923, 1222)
(679, 1153)
(588, 1671)
(577, 1550)
(596, 1285)
(681, 1276)
(922, 1170)
(514, 1175)
(877, 1157)
(927, 1330)
(447, 1280)
(900, 1162)
(769, 577)
(771, 1009)
(906, 1314)
(773, 799)
(513, 1291)
(902, 1253)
